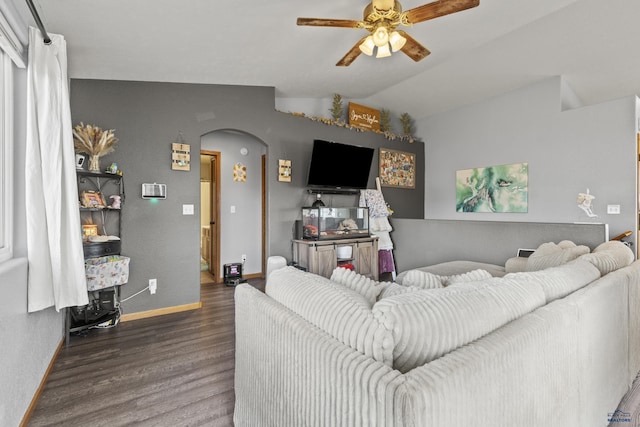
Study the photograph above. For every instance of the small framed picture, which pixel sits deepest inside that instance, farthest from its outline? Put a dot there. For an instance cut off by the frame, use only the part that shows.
(397, 169)
(92, 199)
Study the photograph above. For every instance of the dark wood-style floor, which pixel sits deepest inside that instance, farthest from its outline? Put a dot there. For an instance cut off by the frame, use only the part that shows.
(172, 370)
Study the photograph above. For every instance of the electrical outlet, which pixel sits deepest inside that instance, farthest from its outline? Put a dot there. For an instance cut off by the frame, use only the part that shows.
(153, 285)
(613, 209)
(244, 258)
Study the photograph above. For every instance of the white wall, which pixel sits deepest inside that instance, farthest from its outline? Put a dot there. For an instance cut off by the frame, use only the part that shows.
(567, 151)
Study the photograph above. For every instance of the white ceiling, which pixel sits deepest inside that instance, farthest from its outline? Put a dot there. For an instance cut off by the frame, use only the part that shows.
(493, 48)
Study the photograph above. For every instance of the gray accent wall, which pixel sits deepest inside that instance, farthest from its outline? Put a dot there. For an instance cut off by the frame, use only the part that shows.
(147, 117)
(569, 149)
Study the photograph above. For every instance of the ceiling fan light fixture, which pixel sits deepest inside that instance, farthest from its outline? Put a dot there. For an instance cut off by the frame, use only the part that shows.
(383, 51)
(397, 41)
(367, 46)
(381, 36)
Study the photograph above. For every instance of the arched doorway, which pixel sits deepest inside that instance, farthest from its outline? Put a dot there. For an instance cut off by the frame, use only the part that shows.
(235, 202)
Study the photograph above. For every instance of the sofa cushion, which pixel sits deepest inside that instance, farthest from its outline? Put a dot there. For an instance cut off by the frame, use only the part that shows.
(558, 282)
(551, 254)
(451, 268)
(430, 323)
(610, 256)
(425, 280)
(339, 311)
(368, 288)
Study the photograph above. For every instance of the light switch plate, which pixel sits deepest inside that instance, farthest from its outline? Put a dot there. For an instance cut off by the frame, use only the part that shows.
(187, 210)
(613, 209)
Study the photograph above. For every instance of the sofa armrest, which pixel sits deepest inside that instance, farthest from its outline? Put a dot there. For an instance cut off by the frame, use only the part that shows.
(289, 372)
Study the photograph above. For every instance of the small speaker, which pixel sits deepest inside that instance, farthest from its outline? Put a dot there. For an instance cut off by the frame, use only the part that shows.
(106, 299)
(297, 229)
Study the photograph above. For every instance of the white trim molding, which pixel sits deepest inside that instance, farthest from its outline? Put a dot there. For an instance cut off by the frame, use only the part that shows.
(6, 156)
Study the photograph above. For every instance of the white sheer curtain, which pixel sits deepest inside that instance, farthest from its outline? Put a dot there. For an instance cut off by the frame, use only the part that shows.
(54, 242)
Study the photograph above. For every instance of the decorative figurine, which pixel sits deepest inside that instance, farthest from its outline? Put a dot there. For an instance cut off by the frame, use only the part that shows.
(584, 203)
(113, 168)
(116, 202)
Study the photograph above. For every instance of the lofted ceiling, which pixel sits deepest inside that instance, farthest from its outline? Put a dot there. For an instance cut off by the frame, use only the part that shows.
(478, 53)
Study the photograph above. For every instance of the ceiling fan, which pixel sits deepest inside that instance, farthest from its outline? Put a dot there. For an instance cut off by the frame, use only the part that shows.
(381, 17)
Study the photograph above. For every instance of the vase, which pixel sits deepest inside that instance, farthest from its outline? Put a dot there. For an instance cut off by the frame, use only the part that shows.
(94, 163)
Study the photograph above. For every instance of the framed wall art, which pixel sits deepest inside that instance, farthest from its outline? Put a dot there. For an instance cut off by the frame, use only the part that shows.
(397, 169)
(92, 199)
(503, 188)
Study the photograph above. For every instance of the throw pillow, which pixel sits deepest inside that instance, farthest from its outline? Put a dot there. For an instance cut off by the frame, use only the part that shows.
(552, 255)
(472, 276)
(421, 279)
(392, 289)
(368, 288)
(610, 256)
(339, 311)
(425, 280)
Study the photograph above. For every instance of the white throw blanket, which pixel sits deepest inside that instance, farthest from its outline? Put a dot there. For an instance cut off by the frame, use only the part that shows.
(381, 227)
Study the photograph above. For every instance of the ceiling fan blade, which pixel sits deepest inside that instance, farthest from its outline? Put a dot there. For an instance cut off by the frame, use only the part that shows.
(412, 48)
(437, 9)
(351, 55)
(318, 22)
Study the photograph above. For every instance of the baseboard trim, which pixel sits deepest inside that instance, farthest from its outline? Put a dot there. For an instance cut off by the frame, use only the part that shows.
(160, 311)
(45, 377)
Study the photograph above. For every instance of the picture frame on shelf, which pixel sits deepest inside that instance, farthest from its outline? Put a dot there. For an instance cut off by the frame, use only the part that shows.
(92, 199)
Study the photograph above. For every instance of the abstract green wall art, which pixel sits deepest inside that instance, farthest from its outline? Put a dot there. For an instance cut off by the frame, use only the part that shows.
(501, 188)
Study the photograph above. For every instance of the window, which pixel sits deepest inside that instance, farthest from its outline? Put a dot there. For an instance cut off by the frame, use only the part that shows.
(6, 158)
(10, 53)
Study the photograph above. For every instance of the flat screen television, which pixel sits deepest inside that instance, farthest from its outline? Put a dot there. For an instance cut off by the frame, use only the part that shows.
(339, 166)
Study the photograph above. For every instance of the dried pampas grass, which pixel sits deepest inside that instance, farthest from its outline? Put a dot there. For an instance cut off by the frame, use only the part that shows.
(93, 140)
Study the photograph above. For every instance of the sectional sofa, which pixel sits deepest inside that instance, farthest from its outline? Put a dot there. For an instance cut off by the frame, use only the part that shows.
(558, 346)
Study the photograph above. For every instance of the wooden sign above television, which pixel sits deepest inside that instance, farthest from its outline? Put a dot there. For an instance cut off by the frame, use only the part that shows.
(364, 117)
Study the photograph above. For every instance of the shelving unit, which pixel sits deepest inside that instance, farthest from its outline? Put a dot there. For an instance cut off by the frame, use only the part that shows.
(321, 256)
(96, 190)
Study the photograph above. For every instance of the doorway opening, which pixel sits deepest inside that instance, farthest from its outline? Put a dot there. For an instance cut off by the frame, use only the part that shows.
(233, 204)
(210, 212)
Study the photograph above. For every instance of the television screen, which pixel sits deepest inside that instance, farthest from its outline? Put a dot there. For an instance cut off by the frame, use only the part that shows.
(341, 166)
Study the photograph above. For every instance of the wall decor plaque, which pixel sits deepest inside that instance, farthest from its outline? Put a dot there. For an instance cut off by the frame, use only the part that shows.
(364, 117)
(284, 170)
(180, 157)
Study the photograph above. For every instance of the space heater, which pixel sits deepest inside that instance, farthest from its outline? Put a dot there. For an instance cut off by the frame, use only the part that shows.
(233, 274)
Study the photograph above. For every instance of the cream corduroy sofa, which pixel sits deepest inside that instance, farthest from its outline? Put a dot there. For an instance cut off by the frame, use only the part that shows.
(554, 347)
